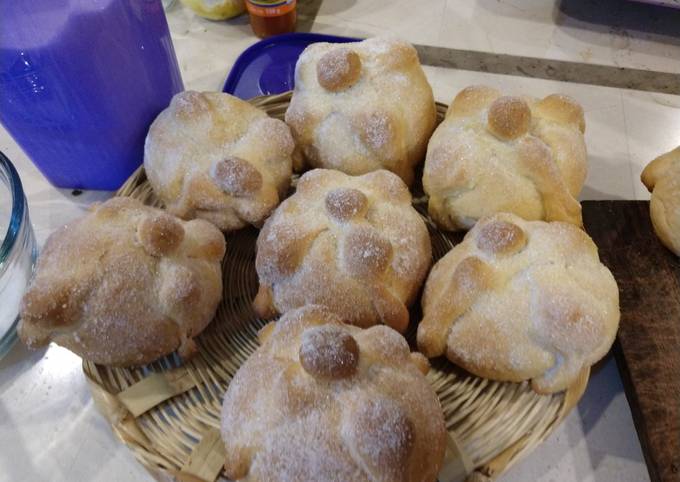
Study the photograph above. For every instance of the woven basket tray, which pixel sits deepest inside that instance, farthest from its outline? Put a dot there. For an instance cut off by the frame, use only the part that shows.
(168, 412)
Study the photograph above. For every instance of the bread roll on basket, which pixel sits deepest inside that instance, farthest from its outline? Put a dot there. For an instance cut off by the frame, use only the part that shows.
(168, 412)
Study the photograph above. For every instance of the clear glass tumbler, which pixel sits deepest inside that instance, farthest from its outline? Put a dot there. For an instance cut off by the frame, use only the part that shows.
(17, 251)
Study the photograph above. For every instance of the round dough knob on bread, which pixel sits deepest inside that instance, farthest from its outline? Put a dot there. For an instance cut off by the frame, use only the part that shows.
(362, 106)
(160, 234)
(521, 300)
(509, 117)
(662, 178)
(338, 69)
(495, 153)
(236, 177)
(328, 351)
(124, 285)
(213, 156)
(353, 244)
(340, 403)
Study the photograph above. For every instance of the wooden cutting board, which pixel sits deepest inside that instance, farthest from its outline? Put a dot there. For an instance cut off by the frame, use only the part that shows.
(647, 350)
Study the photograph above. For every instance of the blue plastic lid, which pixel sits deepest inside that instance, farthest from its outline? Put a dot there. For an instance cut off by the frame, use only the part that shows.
(268, 67)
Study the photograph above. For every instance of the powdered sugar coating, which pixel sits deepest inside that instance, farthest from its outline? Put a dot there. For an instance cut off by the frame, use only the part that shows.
(382, 423)
(501, 238)
(354, 244)
(212, 156)
(338, 69)
(509, 117)
(345, 204)
(327, 351)
(496, 153)
(362, 106)
(533, 306)
(125, 284)
(382, 437)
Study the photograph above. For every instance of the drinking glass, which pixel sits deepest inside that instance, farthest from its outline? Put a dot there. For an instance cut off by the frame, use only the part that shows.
(17, 251)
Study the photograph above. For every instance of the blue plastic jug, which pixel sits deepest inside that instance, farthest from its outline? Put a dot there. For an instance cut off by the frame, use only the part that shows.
(80, 83)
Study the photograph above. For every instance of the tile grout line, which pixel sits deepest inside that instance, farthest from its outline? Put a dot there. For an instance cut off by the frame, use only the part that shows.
(559, 70)
(630, 156)
(307, 11)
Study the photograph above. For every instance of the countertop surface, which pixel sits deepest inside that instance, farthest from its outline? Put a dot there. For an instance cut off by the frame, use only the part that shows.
(50, 428)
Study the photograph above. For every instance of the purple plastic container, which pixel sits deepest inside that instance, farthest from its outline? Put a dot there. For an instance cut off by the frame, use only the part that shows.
(80, 83)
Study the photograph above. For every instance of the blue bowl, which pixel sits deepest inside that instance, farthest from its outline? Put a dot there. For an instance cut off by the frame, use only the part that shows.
(268, 67)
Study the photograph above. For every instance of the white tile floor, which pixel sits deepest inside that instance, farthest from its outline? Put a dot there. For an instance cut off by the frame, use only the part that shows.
(50, 429)
(562, 30)
(652, 128)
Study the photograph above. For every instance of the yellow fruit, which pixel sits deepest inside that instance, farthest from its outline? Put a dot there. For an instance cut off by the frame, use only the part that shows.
(216, 9)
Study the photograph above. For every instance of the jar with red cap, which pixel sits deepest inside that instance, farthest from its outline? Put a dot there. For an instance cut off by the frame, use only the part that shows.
(272, 17)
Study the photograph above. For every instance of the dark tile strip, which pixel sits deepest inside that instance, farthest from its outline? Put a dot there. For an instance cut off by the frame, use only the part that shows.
(307, 11)
(603, 75)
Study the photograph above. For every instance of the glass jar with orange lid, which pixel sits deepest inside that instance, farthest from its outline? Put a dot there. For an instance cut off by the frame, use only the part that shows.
(272, 17)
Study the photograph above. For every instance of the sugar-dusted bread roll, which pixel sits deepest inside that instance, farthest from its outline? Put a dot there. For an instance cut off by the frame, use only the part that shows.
(363, 106)
(494, 153)
(124, 285)
(353, 244)
(324, 401)
(216, 157)
(521, 300)
(662, 178)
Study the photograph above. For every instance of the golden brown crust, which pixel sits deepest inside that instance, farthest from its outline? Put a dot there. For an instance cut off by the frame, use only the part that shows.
(379, 133)
(471, 278)
(343, 114)
(338, 69)
(237, 177)
(263, 304)
(329, 352)
(212, 156)
(506, 154)
(472, 100)
(509, 117)
(160, 234)
(354, 244)
(344, 204)
(365, 253)
(421, 362)
(662, 178)
(521, 300)
(501, 237)
(341, 403)
(124, 285)
(535, 162)
(562, 109)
